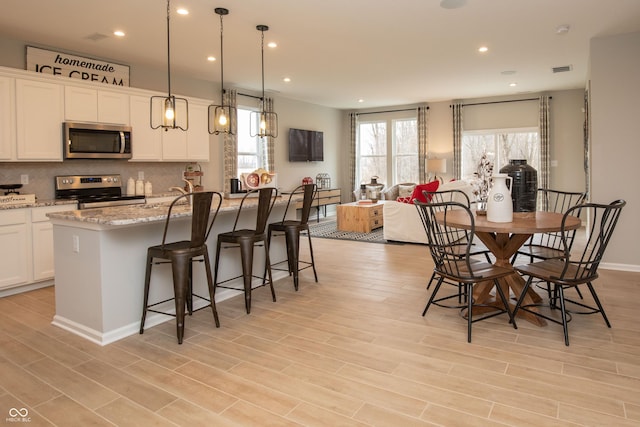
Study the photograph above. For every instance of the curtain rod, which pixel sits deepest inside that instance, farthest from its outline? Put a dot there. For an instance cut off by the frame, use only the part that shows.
(501, 102)
(389, 111)
(250, 96)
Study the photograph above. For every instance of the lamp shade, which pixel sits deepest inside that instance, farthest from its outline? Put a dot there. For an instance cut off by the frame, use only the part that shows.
(437, 165)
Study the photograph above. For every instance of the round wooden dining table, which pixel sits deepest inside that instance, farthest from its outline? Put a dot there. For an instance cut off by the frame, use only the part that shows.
(504, 239)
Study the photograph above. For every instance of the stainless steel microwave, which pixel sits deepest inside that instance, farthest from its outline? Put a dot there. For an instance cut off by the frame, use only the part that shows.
(96, 141)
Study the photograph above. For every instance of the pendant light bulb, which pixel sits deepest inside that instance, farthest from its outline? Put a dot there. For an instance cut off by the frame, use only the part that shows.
(222, 117)
(169, 112)
(167, 105)
(263, 123)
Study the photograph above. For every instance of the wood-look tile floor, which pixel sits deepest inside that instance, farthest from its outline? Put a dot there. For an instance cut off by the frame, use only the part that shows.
(351, 350)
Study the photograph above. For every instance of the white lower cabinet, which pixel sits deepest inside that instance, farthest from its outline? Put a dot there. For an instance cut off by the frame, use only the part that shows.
(15, 245)
(26, 245)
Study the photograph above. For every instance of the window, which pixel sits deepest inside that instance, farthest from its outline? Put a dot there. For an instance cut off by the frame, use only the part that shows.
(388, 149)
(250, 155)
(501, 145)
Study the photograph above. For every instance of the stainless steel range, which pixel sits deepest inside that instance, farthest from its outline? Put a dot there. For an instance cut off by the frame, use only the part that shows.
(94, 191)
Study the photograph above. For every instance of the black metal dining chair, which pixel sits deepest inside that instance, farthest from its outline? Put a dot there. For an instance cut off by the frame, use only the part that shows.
(549, 245)
(291, 229)
(181, 255)
(453, 260)
(574, 268)
(246, 239)
(478, 247)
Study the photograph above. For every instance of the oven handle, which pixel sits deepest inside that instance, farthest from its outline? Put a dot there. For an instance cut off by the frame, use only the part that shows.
(122, 142)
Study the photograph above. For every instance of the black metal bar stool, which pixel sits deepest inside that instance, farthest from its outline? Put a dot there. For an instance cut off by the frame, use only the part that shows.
(246, 239)
(181, 256)
(291, 230)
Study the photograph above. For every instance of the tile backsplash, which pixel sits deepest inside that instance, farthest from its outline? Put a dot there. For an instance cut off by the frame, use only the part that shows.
(41, 175)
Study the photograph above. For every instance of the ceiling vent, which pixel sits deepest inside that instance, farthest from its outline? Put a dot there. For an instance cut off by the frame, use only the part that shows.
(96, 37)
(562, 69)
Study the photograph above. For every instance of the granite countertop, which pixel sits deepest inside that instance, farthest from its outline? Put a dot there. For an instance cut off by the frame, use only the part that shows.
(145, 213)
(39, 204)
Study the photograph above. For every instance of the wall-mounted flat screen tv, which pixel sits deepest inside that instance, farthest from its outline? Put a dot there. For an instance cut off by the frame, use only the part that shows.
(305, 145)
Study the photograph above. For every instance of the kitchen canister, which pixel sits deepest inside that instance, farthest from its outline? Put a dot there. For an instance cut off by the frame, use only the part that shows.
(499, 203)
(148, 189)
(139, 187)
(524, 188)
(131, 187)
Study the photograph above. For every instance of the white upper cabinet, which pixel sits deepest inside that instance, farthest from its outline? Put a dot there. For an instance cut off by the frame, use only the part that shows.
(39, 116)
(113, 107)
(92, 105)
(7, 119)
(198, 135)
(171, 144)
(146, 143)
(80, 104)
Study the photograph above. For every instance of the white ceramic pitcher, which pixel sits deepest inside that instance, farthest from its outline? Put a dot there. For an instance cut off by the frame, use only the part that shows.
(499, 203)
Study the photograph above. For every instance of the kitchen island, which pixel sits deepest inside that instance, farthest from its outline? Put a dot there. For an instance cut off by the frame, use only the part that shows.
(100, 257)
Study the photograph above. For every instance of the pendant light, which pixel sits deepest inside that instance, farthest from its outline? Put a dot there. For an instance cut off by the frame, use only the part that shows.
(224, 115)
(171, 108)
(263, 123)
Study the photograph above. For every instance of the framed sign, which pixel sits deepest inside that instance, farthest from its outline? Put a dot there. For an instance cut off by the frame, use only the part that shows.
(76, 67)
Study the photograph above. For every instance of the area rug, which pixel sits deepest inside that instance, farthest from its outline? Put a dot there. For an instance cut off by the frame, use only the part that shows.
(326, 229)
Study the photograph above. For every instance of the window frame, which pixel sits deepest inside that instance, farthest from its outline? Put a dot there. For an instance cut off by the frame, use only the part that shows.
(244, 128)
(497, 161)
(391, 155)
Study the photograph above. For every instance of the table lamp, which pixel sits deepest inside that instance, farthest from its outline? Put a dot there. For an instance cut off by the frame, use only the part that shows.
(436, 166)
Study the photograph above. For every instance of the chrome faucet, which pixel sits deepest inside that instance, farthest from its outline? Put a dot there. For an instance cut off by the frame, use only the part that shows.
(189, 183)
(181, 190)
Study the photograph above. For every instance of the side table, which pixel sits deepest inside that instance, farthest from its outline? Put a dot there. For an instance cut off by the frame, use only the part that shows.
(361, 218)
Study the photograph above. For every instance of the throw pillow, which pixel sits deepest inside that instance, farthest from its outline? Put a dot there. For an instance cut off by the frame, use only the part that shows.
(405, 190)
(417, 192)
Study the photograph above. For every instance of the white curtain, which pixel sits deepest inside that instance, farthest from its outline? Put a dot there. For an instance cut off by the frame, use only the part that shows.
(457, 140)
(269, 142)
(230, 148)
(353, 139)
(545, 142)
(423, 142)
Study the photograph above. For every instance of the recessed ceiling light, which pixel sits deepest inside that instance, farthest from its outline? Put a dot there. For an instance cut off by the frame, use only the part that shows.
(452, 4)
(361, 100)
(513, 84)
(182, 11)
(272, 44)
(287, 79)
(563, 29)
(118, 33)
(483, 49)
(211, 58)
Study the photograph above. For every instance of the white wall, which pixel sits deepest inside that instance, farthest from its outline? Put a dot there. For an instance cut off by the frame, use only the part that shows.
(615, 148)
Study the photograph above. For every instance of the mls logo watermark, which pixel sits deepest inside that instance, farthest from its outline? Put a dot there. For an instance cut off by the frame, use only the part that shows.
(18, 416)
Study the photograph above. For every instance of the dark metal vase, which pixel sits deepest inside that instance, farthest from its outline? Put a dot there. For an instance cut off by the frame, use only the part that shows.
(525, 185)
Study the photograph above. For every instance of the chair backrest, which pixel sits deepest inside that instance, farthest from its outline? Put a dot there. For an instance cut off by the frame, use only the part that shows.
(583, 264)
(266, 200)
(310, 192)
(201, 218)
(447, 196)
(450, 252)
(560, 202)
